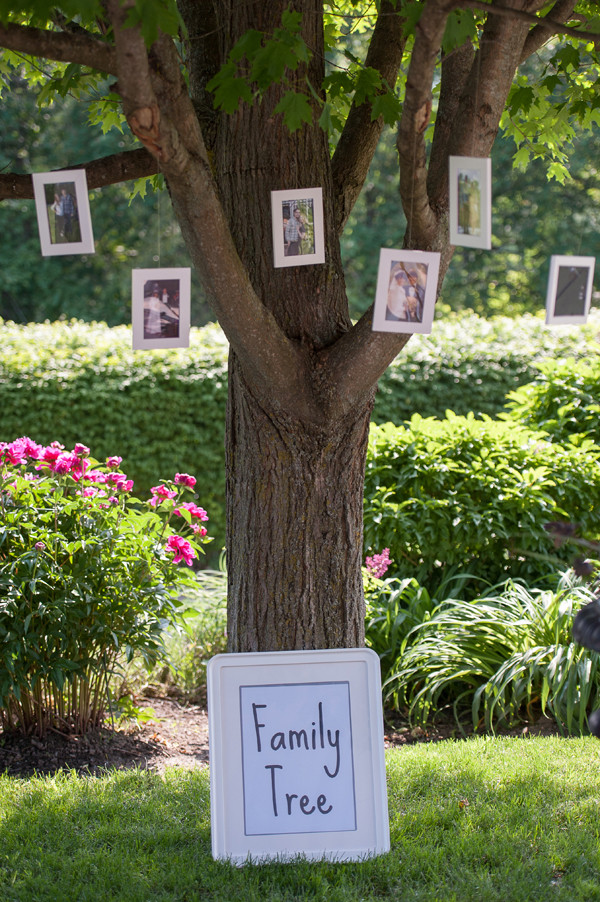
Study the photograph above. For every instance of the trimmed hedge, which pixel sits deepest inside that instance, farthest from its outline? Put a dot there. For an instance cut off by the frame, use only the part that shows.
(563, 400)
(164, 411)
(473, 495)
(469, 364)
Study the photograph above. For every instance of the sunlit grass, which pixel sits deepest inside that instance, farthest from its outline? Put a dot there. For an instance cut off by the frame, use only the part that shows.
(488, 819)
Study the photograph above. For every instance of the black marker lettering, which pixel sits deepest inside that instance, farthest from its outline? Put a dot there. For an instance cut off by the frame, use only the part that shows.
(304, 803)
(334, 745)
(321, 801)
(277, 741)
(299, 734)
(289, 796)
(273, 768)
(257, 725)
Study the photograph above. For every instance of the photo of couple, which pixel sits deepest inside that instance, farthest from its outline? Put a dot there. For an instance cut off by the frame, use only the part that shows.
(406, 289)
(62, 213)
(298, 227)
(406, 292)
(161, 309)
(297, 220)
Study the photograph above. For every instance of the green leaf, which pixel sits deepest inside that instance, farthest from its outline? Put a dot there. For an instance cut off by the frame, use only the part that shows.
(387, 105)
(296, 110)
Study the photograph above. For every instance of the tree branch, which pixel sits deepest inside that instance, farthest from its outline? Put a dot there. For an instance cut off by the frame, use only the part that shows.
(351, 367)
(415, 118)
(537, 37)
(161, 114)
(548, 25)
(110, 170)
(59, 46)
(357, 143)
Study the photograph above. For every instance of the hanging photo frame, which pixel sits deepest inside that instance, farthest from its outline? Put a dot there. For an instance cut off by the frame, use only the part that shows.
(297, 217)
(406, 291)
(470, 212)
(63, 212)
(160, 308)
(569, 291)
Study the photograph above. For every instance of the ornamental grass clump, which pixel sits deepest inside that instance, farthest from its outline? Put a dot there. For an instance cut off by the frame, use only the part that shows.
(88, 573)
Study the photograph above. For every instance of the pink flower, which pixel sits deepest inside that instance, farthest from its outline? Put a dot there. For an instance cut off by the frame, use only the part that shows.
(81, 449)
(182, 549)
(185, 479)
(96, 476)
(194, 510)
(199, 530)
(160, 492)
(64, 463)
(124, 484)
(113, 462)
(378, 564)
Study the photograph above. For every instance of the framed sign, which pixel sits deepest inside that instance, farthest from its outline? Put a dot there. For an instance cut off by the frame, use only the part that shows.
(160, 308)
(569, 289)
(296, 756)
(298, 237)
(471, 201)
(63, 212)
(406, 291)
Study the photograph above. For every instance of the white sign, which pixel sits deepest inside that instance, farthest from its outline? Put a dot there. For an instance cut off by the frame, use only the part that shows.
(296, 752)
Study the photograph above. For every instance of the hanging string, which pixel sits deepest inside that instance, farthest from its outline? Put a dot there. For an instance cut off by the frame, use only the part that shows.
(158, 193)
(476, 107)
(412, 194)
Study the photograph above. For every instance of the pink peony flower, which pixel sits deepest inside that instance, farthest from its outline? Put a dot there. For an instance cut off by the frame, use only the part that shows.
(114, 462)
(181, 549)
(199, 530)
(378, 563)
(81, 449)
(185, 479)
(160, 492)
(64, 463)
(194, 510)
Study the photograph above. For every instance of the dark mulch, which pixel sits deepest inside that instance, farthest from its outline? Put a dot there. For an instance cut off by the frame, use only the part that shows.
(177, 735)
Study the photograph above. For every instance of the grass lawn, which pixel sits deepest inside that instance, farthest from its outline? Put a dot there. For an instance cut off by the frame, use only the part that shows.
(487, 819)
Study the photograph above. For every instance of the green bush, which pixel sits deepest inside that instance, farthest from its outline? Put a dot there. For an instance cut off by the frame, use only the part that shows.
(473, 495)
(497, 656)
(164, 410)
(87, 572)
(470, 364)
(563, 400)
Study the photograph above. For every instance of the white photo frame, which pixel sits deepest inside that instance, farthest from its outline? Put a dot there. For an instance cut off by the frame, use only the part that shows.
(63, 212)
(297, 762)
(406, 291)
(471, 202)
(298, 235)
(569, 293)
(160, 308)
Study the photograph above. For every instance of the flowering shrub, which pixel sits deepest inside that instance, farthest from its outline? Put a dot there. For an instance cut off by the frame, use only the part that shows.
(87, 572)
(378, 564)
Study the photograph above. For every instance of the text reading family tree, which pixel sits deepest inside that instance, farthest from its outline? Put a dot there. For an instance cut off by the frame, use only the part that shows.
(297, 762)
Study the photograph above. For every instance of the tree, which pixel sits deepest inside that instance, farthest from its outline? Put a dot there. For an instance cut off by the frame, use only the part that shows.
(302, 377)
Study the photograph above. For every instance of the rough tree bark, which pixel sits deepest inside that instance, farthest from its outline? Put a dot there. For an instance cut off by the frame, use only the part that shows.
(302, 377)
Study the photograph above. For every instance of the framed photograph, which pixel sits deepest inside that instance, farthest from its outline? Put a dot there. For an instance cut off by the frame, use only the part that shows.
(569, 289)
(63, 212)
(160, 313)
(298, 238)
(297, 762)
(471, 201)
(406, 291)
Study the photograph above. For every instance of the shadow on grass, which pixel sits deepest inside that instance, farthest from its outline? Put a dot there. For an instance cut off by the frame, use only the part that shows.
(484, 820)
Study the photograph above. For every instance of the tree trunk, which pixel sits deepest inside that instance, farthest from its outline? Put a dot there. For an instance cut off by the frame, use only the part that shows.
(295, 469)
(294, 511)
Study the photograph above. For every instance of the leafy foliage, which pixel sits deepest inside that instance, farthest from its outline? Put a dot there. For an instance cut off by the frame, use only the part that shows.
(498, 656)
(87, 572)
(563, 400)
(473, 494)
(72, 381)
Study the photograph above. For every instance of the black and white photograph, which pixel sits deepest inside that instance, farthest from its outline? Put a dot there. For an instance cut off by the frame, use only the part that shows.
(161, 308)
(298, 237)
(569, 289)
(471, 202)
(406, 291)
(63, 212)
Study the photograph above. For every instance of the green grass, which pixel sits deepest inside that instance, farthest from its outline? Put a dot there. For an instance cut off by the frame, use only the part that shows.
(488, 819)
